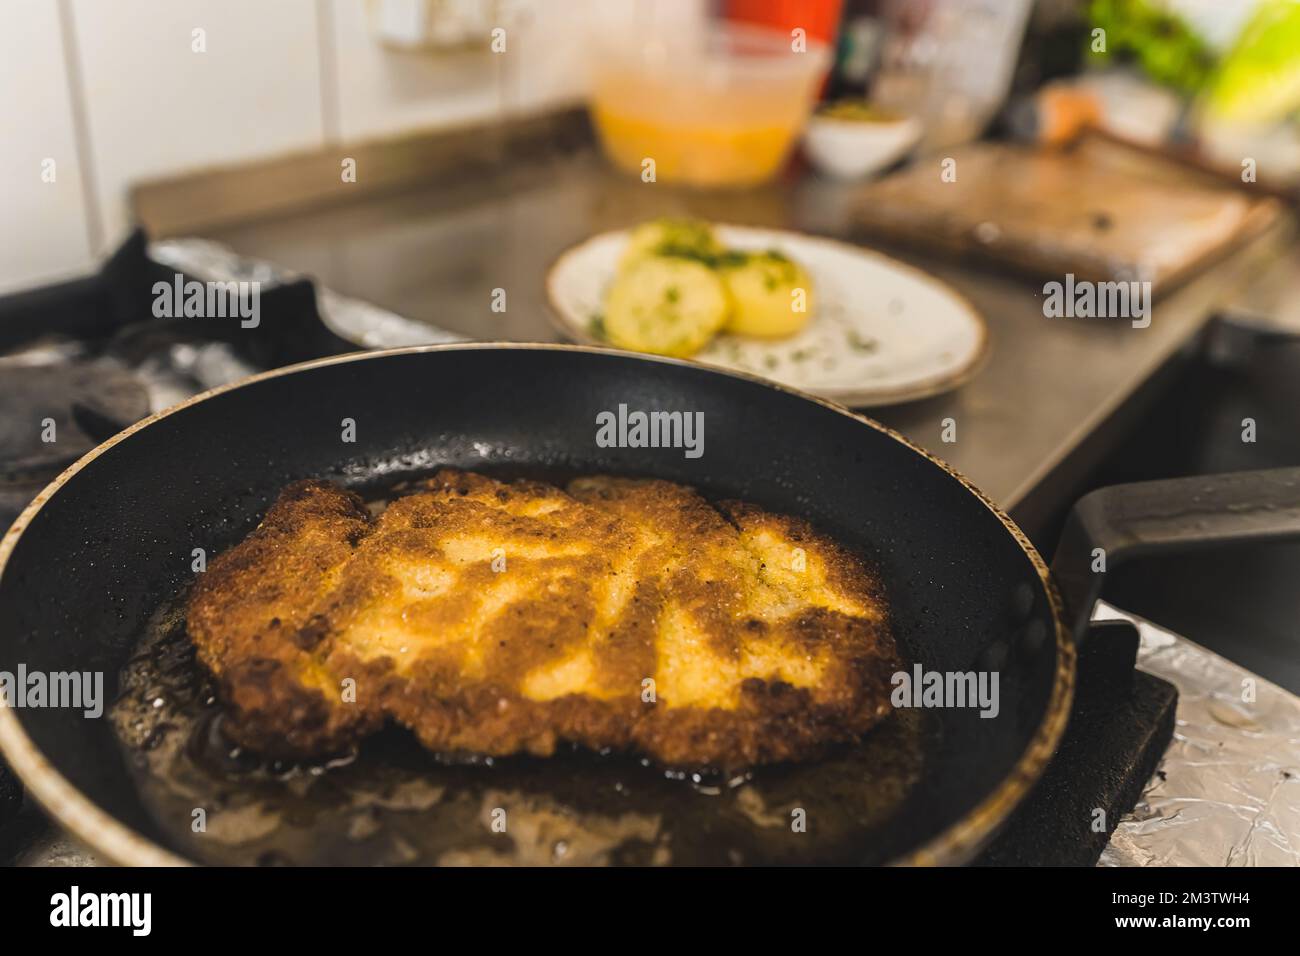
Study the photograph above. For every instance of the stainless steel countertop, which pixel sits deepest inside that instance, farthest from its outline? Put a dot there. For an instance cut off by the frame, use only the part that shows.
(434, 254)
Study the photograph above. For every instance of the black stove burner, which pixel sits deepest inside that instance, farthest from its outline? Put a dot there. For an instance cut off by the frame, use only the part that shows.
(87, 356)
(1121, 722)
(117, 307)
(45, 407)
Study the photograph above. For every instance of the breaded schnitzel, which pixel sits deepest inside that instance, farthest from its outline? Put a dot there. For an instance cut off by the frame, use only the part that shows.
(501, 617)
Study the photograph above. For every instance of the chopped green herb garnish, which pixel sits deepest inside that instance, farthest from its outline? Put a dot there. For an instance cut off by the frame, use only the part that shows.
(860, 342)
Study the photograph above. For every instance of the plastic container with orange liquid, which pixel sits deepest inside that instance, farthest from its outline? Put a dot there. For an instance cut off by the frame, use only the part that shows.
(718, 105)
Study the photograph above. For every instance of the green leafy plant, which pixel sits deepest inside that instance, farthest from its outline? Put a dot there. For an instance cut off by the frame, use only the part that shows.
(1159, 42)
(1259, 79)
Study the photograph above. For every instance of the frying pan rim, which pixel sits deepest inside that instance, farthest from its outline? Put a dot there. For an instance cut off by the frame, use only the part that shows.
(957, 843)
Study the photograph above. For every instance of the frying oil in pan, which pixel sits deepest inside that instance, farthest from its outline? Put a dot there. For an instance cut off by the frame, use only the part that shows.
(392, 802)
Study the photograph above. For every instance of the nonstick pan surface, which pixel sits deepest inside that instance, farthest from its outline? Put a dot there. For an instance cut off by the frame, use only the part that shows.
(86, 569)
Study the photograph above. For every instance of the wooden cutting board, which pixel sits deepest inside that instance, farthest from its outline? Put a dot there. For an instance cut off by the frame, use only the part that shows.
(1099, 211)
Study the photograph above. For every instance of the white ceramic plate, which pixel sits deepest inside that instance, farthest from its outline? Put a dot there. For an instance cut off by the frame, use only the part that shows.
(883, 332)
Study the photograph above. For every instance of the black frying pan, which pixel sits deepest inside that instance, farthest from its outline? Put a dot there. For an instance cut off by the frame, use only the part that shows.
(89, 564)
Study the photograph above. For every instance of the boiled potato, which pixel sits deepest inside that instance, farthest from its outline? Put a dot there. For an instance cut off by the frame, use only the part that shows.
(771, 295)
(665, 305)
(684, 238)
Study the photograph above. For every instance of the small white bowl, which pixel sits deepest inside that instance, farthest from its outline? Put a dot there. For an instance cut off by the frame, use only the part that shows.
(854, 148)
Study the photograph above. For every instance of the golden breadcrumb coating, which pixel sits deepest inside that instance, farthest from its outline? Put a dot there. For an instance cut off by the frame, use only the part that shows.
(498, 617)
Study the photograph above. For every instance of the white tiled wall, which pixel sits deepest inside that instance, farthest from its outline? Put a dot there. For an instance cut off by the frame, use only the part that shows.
(277, 76)
(382, 91)
(154, 105)
(42, 224)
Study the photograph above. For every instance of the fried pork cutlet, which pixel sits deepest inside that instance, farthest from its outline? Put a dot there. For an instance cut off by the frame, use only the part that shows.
(498, 618)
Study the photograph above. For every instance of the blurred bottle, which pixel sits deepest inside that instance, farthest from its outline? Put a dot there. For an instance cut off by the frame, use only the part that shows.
(857, 51)
(949, 63)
